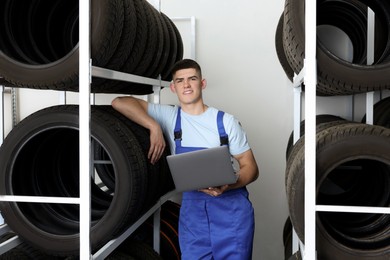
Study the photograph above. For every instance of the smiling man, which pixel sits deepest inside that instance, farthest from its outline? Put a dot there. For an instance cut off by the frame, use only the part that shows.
(214, 222)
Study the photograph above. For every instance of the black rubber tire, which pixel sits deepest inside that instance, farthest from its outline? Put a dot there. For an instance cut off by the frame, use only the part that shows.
(62, 73)
(14, 253)
(116, 255)
(296, 256)
(127, 40)
(124, 48)
(298, 146)
(381, 113)
(170, 212)
(167, 46)
(169, 243)
(338, 146)
(173, 48)
(319, 120)
(337, 76)
(40, 157)
(157, 51)
(23, 251)
(135, 57)
(104, 171)
(139, 250)
(40, 45)
(280, 49)
(287, 229)
(153, 36)
(166, 73)
(107, 18)
(33, 253)
(141, 39)
(159, 179)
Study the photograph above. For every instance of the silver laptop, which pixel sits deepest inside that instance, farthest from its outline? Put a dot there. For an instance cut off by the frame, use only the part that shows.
(205, 168)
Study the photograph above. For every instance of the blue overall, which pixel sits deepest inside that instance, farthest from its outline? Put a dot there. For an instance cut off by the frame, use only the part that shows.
(210, 227)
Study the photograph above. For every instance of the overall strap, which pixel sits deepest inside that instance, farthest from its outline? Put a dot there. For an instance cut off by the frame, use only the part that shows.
(223, 137)
(177, 131)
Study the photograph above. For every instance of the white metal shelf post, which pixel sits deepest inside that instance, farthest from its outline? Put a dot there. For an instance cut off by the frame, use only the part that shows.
(370, 60)
(308, 75)
(2, 89)
(310, 66)
(84, 126)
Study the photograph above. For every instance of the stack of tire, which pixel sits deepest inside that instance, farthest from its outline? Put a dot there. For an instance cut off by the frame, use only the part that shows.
(169, 238)
(352, 158)
(39, 44)
(139, 246)
(337, 76)
(40, 156)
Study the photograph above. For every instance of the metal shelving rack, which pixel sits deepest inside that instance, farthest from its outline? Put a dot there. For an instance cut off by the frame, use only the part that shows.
(86, 71)
(308, 75)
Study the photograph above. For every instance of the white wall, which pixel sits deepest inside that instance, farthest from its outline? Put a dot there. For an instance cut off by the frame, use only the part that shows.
(236, 49)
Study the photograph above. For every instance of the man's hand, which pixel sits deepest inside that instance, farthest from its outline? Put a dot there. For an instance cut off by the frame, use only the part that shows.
(137, 110)
(215, 191)
(157, 144)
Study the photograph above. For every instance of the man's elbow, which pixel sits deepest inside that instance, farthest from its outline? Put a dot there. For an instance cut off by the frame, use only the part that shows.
(116, 103)
(120, 103)
(255, 174)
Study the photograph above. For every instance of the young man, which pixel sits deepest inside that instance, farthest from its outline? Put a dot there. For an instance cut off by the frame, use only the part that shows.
(215, 222)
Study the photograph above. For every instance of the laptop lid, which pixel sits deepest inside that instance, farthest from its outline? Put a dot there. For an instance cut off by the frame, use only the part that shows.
(204, 168)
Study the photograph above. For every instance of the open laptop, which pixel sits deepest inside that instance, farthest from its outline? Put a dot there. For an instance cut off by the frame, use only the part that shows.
(204, 168)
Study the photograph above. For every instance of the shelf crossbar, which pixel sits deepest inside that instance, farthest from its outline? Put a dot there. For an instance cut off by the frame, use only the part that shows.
(353, 209)
(112, 74)
(40, 199)
(104, 251)
(9, 244)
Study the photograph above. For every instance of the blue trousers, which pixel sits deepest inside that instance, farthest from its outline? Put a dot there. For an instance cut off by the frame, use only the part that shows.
(220, 228)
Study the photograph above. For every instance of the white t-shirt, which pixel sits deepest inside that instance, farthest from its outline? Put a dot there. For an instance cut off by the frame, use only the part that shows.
(199, 130)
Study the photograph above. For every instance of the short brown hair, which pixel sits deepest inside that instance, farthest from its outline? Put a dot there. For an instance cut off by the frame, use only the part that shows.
(186, 64)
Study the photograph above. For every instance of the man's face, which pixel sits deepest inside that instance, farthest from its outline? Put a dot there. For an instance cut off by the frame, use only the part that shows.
(188, 86)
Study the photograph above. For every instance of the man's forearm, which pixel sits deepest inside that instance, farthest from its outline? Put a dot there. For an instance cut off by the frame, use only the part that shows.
(134, 109)
(137, 111)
